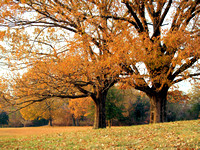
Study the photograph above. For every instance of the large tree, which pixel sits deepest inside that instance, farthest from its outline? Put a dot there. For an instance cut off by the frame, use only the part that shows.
(73, 52)
(154, 42)
(163, 46)
(165, 50)
(67, 78)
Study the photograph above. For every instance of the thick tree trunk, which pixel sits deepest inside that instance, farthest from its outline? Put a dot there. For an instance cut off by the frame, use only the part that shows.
(158, 107)
(100, 116)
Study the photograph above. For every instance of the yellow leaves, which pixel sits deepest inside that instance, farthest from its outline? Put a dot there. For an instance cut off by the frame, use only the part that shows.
(177, 96)
(79, 107)
(24, 1)
(2, 34)
(181, 43)
(5, 1)
(46, 109)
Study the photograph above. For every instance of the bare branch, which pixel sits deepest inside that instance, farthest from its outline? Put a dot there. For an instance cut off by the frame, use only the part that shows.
(184, 67)
(186, 77)
(139, 26)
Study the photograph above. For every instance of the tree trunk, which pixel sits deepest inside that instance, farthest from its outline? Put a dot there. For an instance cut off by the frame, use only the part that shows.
(100, 116)
(50, 122)
(109, 123)
(73, 121)
(77, 122)
(158, 107)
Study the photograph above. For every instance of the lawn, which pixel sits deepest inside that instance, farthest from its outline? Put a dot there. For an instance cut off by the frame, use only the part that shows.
(174, 135)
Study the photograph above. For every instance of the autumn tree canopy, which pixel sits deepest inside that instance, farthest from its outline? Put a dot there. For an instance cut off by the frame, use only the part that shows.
(47, 109)
(151, 45)
(79, 108)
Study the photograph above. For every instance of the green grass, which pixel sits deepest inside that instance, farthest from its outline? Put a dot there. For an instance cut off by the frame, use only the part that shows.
(174, 135)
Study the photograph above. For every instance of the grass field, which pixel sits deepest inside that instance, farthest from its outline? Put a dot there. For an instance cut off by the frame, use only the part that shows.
(175, 135)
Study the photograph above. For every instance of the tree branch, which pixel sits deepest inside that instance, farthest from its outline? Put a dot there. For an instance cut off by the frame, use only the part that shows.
(139, 26)
(162, 18)
(184, 67)
(186, 77)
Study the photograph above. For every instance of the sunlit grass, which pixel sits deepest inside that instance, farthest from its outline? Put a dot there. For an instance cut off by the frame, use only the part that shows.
(175, 135)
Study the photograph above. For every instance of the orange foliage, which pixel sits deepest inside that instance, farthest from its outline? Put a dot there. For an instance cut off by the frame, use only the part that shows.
(177, 96)
(79, 107)
(47, 109)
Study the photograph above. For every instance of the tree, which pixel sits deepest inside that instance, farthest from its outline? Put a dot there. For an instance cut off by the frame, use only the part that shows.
(79, 108)
(4, 118)
(156, 43)
(42, 110)
(114, 105)
(163, 47)
(63, 117)
(195, 101)
(85, 63)
(140, 110)
(137, 106)
(195, 94)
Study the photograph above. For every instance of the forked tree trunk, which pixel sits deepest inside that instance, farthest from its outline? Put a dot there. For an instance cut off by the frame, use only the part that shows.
(158, 107)
(100, 116)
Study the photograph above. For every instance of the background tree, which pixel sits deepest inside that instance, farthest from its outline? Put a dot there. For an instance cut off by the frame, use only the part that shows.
(79, 108)
(195, 101)
(63, 117)
(140, 110)
(42, 110)
(114, 105)
(195, 93)
(4, 118)
(137, 106)
(16, 119)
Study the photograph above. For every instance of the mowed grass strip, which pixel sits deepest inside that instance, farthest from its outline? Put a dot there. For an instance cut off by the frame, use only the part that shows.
(174, 135)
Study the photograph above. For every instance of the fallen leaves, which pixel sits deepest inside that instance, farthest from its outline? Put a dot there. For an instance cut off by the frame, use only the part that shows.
(176, 135)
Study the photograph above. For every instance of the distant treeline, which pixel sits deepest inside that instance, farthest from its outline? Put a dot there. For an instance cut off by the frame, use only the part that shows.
(123, 107)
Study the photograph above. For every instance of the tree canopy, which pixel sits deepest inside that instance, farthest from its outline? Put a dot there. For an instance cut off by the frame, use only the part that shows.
(4, 118)
(47, 109)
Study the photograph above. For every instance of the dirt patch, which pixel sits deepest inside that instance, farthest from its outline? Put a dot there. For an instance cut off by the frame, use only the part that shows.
(38, 130)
